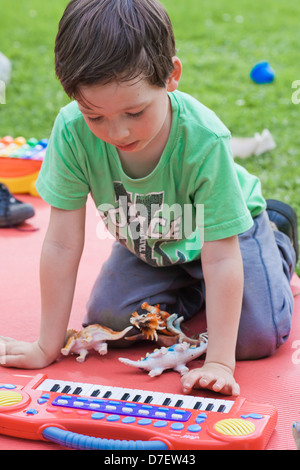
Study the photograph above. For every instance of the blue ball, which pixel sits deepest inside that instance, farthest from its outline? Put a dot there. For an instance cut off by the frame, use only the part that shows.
(262, 73)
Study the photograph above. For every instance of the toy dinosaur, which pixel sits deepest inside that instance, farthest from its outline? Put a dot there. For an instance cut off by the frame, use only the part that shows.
(91, 337)
(152, 321)
(158, 325)
(175, 357)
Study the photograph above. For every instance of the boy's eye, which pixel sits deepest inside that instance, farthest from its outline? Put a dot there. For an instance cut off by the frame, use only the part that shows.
(95, 119)
(135, 115)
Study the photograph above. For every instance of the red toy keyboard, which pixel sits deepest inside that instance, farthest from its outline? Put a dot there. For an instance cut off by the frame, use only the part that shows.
(88, 416)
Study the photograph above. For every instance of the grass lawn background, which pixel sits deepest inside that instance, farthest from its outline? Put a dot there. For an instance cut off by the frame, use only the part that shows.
(218, 42)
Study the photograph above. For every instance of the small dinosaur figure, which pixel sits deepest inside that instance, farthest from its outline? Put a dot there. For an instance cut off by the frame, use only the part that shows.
(160, 326)
(91, 337)
(152, 322)
(175, 357)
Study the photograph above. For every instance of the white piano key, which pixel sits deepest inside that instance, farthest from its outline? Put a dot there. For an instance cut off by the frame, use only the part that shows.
(92, 392)
(53, 385)
(62, 385)
(47, 384)
(164, 399)
(84, 389)
(169, 399)
(156, 397)
(134, 395)
(145, 396)
(217, 404)
(185, 400)
(196, 403)
(207, 403)
(228, 405)
(117, 393)
(105, 392)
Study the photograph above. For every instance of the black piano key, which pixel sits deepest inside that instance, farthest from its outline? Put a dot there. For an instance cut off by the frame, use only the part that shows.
(149, 399)
(179, 403)
(137, 398)
(221, 408)
(66, 389)
(166, 402)
(77, 391)
(197, 405)
(55, 388)
(107, 394)
(95, 392)
(209, 407)
(125, 396)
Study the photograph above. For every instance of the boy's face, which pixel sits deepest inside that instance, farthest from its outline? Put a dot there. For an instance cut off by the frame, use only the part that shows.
(133, 116)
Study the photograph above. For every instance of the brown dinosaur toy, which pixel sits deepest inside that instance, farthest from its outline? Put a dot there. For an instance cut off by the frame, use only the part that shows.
(91, 337)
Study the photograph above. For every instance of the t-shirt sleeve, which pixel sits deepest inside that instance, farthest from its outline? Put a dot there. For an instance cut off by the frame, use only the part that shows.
(218, 189)
(61, 182)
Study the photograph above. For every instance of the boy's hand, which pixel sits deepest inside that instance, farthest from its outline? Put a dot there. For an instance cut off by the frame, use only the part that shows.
(214, 376)
(22, 355)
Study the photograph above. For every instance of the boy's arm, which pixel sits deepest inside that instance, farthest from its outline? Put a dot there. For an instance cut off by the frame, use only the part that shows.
(223, 275)
(60, 258)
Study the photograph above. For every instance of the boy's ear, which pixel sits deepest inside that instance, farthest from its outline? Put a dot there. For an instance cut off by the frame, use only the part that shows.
(173, 80)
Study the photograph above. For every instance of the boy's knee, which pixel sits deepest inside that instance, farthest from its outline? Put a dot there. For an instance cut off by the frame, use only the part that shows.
(113, 316)
(260, 335)
(260, 344)
(257, 348)
(106, 312)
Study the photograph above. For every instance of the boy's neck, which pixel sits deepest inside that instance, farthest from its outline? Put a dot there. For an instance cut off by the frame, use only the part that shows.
(142, 163)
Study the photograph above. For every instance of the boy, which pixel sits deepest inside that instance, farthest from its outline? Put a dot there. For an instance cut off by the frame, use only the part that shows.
(141, 147)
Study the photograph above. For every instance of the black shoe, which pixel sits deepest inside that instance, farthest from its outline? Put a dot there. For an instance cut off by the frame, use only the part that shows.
(12, 211)
(285, 219)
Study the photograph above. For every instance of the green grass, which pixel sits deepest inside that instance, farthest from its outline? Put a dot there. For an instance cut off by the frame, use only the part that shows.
(218, 42)
(27, 34)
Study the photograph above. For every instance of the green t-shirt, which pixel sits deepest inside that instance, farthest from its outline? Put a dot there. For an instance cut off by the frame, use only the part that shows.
(196, 193)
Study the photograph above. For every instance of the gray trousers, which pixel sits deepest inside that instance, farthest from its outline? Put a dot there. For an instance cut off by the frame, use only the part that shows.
(125, 282)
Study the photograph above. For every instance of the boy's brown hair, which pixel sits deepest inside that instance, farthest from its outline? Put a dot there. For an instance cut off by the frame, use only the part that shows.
(103, 40)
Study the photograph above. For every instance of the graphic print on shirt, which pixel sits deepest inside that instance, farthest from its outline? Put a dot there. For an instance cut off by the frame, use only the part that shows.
(144, 224)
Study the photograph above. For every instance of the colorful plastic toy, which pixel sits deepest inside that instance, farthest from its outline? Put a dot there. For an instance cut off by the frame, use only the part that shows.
(262, 73)
(175, 357)
(158, 325)
(152, 322)
(91, 337)
(20, 163)
(93, 416)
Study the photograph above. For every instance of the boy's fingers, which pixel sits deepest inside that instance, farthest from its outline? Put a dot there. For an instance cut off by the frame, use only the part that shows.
(206, 380)
(188, 380)
(2, 353)
(11, 354)
(219, 384)
(7, 361)
(225, 388)
(193, 378)
(235, 390)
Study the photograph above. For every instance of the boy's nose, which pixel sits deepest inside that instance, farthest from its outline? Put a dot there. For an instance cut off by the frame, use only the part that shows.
(118, 133)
